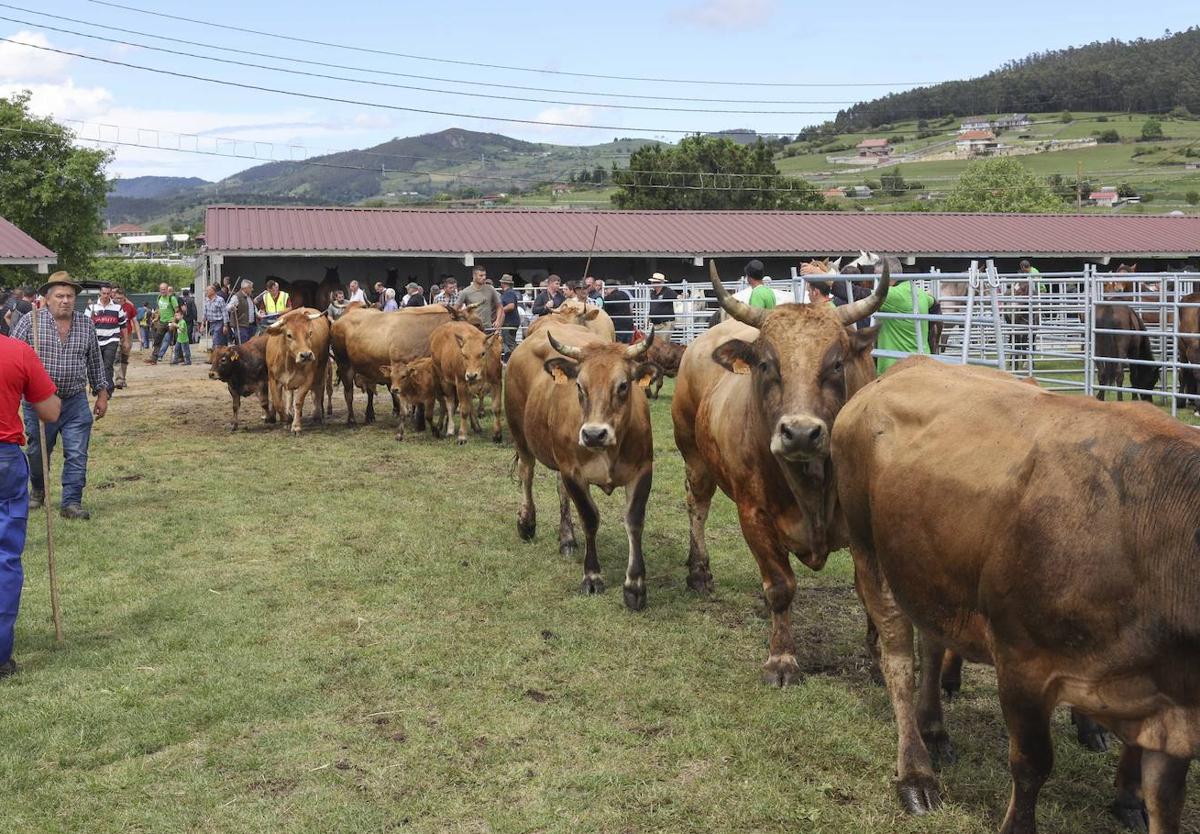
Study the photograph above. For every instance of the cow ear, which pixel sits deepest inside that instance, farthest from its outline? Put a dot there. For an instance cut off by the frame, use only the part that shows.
(647, 374)
(276, 328)
(863, 341)
(591, 314)
(561, 369)
(736, 356)
(459, 339)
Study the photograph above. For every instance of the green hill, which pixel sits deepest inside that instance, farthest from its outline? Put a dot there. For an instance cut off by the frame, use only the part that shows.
(1143, 76)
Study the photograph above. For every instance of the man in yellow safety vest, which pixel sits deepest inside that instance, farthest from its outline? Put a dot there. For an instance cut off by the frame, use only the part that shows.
(273, 303)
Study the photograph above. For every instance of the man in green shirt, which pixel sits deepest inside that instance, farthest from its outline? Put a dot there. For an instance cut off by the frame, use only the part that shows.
(167, 305)
(760, 294)
(901, 334)
(1026, 268)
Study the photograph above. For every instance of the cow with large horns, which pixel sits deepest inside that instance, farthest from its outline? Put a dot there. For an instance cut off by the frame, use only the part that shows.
(578, 407)
(753, 407)
(1060, 545)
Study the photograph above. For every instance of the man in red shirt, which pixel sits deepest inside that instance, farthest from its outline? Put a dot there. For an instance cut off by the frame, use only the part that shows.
(128, 336)
(21, 377)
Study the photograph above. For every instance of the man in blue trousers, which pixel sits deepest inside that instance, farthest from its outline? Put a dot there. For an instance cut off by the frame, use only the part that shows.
(67, 348)
(21, 377)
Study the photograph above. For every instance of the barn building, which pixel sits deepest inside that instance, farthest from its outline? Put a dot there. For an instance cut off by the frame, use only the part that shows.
(19, 249)
(401, 245)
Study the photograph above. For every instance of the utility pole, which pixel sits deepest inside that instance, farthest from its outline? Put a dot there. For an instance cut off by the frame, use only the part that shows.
(1078, 186)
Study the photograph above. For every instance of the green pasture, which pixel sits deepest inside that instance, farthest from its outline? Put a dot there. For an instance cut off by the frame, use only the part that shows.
(338, 632)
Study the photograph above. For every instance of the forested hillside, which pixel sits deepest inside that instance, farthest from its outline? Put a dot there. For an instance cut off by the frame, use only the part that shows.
(1143, 76)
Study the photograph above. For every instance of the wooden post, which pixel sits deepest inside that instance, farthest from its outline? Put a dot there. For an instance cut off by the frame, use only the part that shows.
(55, 611)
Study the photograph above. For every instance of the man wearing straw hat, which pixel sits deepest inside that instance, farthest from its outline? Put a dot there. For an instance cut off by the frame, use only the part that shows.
(22, 377)
(66, 344)
(662, 305)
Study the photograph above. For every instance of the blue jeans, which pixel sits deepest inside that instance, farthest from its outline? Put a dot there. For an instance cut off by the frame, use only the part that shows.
(14, 514)
(245, 334)
(74, 425)
(217, 330)
(168, 342)
(183, 352)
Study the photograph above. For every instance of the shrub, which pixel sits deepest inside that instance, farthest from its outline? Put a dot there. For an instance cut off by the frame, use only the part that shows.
(896, 139)
(1151, 130)
(1102, 118)
(1108, 137)
(1192, 197)
(1066, 116)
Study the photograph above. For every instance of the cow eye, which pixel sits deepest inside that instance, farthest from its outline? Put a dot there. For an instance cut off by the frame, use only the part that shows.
(623, 388)
(837, 367)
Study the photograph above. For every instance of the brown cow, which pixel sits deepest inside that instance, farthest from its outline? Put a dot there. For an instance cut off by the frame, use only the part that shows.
(1064, 553)
(243, 369)
(752, 409)
(464, 359)
(578, 407)
(572, 312)
(297, 358)
(664, 353)
(416, 384)
(1189, 351)
(367, 343)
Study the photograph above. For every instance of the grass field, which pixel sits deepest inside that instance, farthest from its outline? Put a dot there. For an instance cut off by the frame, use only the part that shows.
(338, 632)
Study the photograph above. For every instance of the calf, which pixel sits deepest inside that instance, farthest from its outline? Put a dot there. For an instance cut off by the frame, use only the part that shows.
(243, 369)
(666, 355)
(465, 359)
(416, 385)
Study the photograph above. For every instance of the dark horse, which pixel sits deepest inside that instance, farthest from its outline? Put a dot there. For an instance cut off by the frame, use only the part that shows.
(1189, 351)
(1114, 350)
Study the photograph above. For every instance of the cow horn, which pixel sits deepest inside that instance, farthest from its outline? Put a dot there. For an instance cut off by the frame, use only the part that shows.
(638, 348)
(753, 316)
(570, 351)
(314, 316)
(864, 307)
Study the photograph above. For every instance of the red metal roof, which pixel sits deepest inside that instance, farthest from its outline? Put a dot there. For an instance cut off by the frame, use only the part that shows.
(976, 136)
(533, 232)
(16, 245)
(873, 143)
(125, 229)
(1104, 195)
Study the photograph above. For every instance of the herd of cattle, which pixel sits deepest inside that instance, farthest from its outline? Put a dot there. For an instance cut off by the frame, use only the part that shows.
(1055, 537)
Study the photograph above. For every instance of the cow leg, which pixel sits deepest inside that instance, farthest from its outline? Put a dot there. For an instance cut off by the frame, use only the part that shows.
(915, 780)
(370, 416)
(779, 586)
(1128, 807)
(318, 390)
(700, 486)
(1090, 734)
(329, 389)
(1164, 783)
(264, 400)
(462, 396)
(298, 409)
(636, 495)
(952, 666)
(347, 378)
(236, 397)
(593, 582)
(929, 707)
(1030, 749)
(566, 524)
(527, 514)
(448, 409)
(497, 405)
(657, 387)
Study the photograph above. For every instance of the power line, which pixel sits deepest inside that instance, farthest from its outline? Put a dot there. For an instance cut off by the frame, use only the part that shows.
(373, 71)
(481, 65)
(359, 102)
(372, 83)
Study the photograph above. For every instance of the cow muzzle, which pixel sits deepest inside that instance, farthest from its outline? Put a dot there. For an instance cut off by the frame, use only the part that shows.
(800, 438)
(212, 374)
(305, 356)
(471, 376)
(596, 435)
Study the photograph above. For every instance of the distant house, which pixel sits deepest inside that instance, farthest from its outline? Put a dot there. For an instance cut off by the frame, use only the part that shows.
(859, 192)
(966, 127)
(1013, 122)
(560, 188)
(976, 143)
(124, 230)
(873, 148)
(1104, 199)
(833, 193)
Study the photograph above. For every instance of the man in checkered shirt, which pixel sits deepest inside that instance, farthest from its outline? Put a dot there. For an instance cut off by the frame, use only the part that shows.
(69, 351)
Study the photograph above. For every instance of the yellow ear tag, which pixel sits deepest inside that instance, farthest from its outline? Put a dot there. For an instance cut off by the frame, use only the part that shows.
(559, 376)
(740, 366)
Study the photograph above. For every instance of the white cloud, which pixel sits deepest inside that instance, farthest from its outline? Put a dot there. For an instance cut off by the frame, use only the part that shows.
(726, 14)
(20, 63)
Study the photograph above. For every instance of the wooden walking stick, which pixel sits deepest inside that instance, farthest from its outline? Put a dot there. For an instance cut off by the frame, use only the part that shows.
(54, 609)
(591, 249)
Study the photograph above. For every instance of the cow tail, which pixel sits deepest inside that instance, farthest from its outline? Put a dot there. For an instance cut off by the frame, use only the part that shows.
(512, 467)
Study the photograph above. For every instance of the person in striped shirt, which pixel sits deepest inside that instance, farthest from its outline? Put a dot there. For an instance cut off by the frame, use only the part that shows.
(108, 317)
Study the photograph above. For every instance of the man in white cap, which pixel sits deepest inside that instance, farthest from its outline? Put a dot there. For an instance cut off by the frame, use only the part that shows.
(414, 296)
(662, 305)
(69, 352)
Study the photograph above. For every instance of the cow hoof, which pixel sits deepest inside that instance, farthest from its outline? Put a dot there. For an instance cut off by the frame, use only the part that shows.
(940, 749)
(781, 670)
(592, 585)
(951, 689)
(1090, 734)
(567, 548)
(232, 427)
(526, 529)
(497, 438)
(635, 596)
(462, 441)
(399, 436)
(701, 583)
(1131, 815)
(919, 794)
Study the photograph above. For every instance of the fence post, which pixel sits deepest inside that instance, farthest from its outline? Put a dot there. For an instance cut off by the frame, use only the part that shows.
(1088, 328)
(993, 279)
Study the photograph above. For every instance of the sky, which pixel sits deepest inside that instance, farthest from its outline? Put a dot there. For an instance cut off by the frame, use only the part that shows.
(813, 58)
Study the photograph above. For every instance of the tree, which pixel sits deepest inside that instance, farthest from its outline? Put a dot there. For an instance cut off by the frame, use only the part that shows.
(1192, 197)
(599, 175)
(50, 189)
(707, 172)
(1109, 137)
(892, 183)
(1151, 130)
(1001, 184)
(1125, 190)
